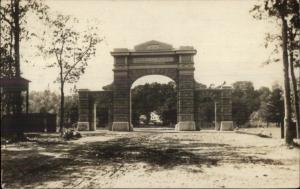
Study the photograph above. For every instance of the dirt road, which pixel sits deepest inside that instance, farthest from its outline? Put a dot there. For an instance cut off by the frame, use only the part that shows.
(151, 158)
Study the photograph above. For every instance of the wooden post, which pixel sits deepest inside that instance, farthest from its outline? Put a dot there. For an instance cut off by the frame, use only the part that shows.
(27, 100)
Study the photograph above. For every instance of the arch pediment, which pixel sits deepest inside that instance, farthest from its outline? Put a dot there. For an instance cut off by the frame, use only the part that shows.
(153, 46)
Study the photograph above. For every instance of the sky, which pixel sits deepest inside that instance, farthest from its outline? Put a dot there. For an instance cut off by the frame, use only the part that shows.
(229, 42)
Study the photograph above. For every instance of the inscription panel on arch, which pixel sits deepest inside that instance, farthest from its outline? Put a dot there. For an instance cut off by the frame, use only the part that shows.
(147, 60)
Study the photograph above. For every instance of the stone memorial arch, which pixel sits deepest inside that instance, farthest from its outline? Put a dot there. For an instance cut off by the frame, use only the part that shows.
(151, 58)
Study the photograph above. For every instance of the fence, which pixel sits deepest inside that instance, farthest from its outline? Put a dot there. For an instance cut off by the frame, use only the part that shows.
(32, 122)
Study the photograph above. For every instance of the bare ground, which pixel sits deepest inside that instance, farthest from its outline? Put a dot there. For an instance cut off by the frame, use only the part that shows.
(151, 158)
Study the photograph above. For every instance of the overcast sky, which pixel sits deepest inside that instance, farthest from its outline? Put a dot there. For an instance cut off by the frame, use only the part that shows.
(229, 42)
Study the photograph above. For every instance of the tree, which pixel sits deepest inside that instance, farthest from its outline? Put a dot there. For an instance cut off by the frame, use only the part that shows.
(275, 106)
(264, 93)
(257, 118)
(43, 101)
(72, 50)
(169, 111)
(262, 114)
(46, 102)
(6, 42)
(154, 97)
(294, 57)
(13, 29)
(207, 111)
(281, 10)
(244, 101)
(71, 108)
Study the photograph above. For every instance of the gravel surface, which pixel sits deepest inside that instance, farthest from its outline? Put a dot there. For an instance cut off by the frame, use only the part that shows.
(151, 158)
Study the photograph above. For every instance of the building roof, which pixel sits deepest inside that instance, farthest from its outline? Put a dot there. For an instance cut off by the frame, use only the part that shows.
(17, 83)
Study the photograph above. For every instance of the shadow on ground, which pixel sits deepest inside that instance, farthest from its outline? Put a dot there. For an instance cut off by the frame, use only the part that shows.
(33, 167)
(165, 155)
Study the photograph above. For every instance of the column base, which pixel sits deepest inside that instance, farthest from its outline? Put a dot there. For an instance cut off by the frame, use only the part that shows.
(217, 126)
(185, 126)
(83, 126)
(109, 126)
(93, 127)
(121, 126)
(198, 126)
(226, 126)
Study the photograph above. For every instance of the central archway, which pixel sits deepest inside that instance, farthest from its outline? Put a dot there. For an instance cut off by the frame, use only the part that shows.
(153, 102)
(153, 58)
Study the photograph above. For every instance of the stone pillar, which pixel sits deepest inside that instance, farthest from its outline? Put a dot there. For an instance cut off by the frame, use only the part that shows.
(218, 114)
(226, 109)
(185, 98)
(92, 116)
(110, 117)
(121, 100)
(83, 122)
(197, 115)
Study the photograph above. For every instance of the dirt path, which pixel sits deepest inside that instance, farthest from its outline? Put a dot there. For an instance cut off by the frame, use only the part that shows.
(152, 158)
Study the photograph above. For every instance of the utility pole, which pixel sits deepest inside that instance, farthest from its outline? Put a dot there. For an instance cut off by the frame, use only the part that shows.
(216, 123)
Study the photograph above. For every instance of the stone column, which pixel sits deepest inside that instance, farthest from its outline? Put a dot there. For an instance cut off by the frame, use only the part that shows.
(218, 114)
(110, 117)
(121, 100)
(92, 116)
(185, 98)
(226, 109)
(83, 122)
(198, 117)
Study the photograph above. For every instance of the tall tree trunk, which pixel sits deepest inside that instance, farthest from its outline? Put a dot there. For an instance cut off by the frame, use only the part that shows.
(281, 130)
(287, 92)
(62, 109)
(17, 33)
(295, 92)
(62, 103)
(11, 73)
(16, 18)
(294, 80)
(16, 30)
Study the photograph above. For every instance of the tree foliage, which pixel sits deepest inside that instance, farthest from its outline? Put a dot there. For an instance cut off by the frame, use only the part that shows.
(47, 102)
(43, 101)
(71, 49)
(14, 29)
(287, 12)
(262, 105)
(244, 101)
(154, 97)
(275, 106)
(71, 109)
(271, 106)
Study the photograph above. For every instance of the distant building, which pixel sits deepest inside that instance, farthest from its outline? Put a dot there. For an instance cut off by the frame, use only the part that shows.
(155, 118)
